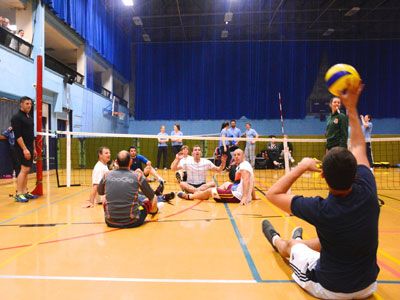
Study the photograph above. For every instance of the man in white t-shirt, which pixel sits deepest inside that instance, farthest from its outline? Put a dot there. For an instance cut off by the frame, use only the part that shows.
(196, 168)
(101, 168)
(240, 191)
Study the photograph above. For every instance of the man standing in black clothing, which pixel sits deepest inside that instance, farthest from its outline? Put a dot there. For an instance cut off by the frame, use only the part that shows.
(22, 124)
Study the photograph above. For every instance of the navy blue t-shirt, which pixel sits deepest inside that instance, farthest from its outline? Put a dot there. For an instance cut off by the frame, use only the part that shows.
(347, 228)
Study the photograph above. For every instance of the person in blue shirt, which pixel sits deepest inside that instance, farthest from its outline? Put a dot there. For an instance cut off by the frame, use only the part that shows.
(234, 132)
(341, 262)
(138, 161)
(176, 140)
(162, 147)
(366, 126)
(250, 150)
(223, 143)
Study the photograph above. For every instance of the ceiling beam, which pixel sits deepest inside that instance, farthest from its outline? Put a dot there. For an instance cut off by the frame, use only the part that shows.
(322, 13)
(275, 12)
(180, 19)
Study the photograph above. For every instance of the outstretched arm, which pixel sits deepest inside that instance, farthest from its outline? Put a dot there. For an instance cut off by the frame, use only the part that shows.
(357, 140)
(277, 193)
(175, 164)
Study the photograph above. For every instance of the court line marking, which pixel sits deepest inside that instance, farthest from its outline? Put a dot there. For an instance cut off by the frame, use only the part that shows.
(40, 207)
(388, 268)
(249, 259)
(96, 233)
(159, 280)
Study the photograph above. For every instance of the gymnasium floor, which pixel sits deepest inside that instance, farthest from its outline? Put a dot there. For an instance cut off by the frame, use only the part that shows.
(51, 248)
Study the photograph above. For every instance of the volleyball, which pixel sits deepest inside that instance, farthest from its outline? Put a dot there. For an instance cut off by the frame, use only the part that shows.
(340, 77)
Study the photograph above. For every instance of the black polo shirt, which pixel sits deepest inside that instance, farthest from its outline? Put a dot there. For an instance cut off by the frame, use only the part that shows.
(22, 124)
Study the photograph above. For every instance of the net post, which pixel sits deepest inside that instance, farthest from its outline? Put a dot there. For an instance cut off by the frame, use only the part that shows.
(286, 157)
(68, 157)
(38, 190)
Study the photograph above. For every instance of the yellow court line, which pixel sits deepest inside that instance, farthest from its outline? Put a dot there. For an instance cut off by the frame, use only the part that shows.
(377, 296)
(25, 250)
(388, 256)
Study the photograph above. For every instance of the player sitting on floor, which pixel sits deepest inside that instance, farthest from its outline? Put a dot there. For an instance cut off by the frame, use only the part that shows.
(196, 168)
(181, 175)
(341, 262)
(138, 160)
(240, 191)
(99, 170)
(124, 206)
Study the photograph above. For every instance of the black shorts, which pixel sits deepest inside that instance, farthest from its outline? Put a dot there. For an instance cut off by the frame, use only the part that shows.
(196, 185)
(19, 154)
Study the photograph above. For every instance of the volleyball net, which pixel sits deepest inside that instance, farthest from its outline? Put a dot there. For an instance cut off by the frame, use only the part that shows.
(76, 154)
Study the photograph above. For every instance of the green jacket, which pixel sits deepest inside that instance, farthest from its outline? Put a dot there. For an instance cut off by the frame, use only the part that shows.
(337, 130)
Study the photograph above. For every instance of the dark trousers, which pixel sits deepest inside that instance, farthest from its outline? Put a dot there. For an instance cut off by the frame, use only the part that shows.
(162, 151)
(369, 154)
(176, 149)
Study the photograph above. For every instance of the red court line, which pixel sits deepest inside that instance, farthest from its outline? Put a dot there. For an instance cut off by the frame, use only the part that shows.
(96, 233)
(388, 268)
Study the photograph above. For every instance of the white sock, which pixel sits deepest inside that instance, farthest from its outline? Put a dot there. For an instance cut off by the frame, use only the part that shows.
(276, 237)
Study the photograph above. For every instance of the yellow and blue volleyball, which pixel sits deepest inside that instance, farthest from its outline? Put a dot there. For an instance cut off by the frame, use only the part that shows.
(340, 77)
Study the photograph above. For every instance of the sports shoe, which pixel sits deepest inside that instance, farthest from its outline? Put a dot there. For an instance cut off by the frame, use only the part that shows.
(21, 198)
(30, 196)
(183, 195)
(166, 198)
(297, 233)
(269, 232)
(160, 189)
(178, 177)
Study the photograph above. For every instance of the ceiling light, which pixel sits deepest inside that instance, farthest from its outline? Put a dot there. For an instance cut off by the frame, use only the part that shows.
(146, 37)
(127, 2)
(228, 16)
(352, 11)
(329, 31)
(224, 34)
(226, 22)
(137, 21)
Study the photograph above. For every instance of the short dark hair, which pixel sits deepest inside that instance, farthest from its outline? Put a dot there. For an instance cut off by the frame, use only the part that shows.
(20, 30)
(178, 126)
(132, 147)
(25, 98)
(339, 166)
(100, 150)
(233, 120)
(123, 159)
(370, 117)
(248, 123)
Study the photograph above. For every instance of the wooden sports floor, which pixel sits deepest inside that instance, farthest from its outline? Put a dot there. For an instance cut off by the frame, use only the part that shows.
(51, 248)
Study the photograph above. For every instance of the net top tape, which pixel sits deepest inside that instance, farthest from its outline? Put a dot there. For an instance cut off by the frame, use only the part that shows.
(199, 138)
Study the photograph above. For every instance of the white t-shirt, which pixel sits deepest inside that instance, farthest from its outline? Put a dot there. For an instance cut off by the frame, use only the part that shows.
(98, 172)
(196, 171)
(238, 190)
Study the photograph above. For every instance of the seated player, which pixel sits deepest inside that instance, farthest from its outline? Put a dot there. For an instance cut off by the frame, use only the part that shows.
(196, 168)
(101, 168)
(181, 175)
(138, 160)
(240, 191)
(124, 206)
(341, 262)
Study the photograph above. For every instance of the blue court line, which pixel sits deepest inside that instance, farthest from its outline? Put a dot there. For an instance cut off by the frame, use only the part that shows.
(246, 252)
(40, 207)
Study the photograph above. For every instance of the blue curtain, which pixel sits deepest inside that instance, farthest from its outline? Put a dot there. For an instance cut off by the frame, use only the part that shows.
(378, 63)
(223, 80)
(230, 80)
(99, 27)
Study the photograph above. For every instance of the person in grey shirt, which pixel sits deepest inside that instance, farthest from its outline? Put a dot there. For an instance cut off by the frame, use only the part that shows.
(124, 207)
